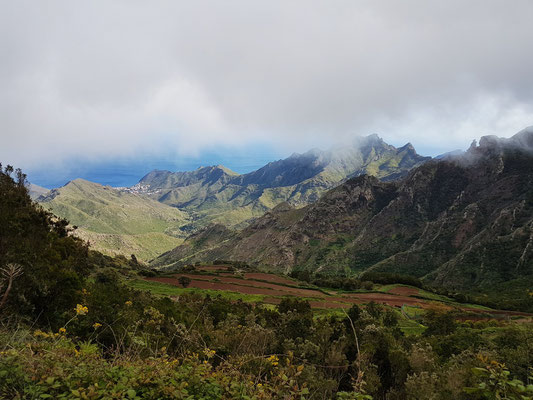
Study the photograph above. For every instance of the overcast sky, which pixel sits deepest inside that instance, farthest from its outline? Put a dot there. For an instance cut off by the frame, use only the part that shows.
(118, 78)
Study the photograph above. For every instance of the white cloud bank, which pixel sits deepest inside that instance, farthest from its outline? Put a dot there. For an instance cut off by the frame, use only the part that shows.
(114, 78)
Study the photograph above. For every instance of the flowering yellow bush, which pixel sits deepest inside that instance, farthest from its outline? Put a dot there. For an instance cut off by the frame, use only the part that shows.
(80, 371)
(209, 353)
(81, 310)
(274, 360)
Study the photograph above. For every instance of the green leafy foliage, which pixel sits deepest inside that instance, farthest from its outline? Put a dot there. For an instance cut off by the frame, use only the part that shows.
(496, 383)
(54, 263)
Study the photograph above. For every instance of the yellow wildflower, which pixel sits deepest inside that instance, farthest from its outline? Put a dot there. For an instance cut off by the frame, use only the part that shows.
(81, 310)
(273, 360)
(62, 331)
(97, 325)
(38, 332)
(128, 303)
(209, 353)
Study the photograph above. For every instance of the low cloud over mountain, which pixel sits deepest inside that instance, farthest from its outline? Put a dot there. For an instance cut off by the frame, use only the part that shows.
(93, 78)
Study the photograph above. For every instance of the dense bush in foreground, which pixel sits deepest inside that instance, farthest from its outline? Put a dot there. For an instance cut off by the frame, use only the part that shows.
(211, 348)
(58, 368)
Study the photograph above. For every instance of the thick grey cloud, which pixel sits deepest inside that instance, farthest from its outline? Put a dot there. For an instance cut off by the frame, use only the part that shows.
(108, 78)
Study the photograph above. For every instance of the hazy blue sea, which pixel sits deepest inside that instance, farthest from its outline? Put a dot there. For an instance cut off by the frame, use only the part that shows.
(128, 171)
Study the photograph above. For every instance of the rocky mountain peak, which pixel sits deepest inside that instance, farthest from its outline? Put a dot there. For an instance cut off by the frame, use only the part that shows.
(372, 139)
(408, 147)
(524, 138)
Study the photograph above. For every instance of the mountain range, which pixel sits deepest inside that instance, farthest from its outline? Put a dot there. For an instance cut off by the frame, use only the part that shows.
(116, 220)
(464, 220)
(216, 194)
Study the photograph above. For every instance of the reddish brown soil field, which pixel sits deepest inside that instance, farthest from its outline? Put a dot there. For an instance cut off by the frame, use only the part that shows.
(240, 288)
(269, 278)
(328, 304)
(263, 277)
(403, 290)
(272, 288)
(252, 283)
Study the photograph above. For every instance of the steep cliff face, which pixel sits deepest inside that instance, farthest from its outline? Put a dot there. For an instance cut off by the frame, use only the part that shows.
(460, 221)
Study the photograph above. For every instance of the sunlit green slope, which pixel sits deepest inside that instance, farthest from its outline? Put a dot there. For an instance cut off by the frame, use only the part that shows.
(116, 221)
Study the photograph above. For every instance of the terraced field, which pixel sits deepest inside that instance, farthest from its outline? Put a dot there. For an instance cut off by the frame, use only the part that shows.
(271, 288)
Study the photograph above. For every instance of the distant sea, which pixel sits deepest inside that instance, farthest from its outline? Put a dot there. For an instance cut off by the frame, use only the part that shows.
(128, 171)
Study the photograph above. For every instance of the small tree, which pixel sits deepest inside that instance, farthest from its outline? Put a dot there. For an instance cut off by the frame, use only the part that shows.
(8, 274)
(439, 323)
(184, 281)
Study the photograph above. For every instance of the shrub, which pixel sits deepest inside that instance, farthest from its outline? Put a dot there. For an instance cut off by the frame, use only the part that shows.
(184, 281)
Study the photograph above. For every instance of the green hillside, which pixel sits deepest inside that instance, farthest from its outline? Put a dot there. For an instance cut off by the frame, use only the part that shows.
(145, 246)
(116, 221)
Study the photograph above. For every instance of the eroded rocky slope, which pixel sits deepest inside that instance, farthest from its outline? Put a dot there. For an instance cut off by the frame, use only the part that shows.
(463, 220)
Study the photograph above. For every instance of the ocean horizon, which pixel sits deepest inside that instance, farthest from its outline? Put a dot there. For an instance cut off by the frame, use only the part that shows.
(127, 172)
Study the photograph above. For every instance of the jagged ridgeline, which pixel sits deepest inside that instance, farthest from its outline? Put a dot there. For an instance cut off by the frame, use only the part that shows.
(461, 221)
(164, 207)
